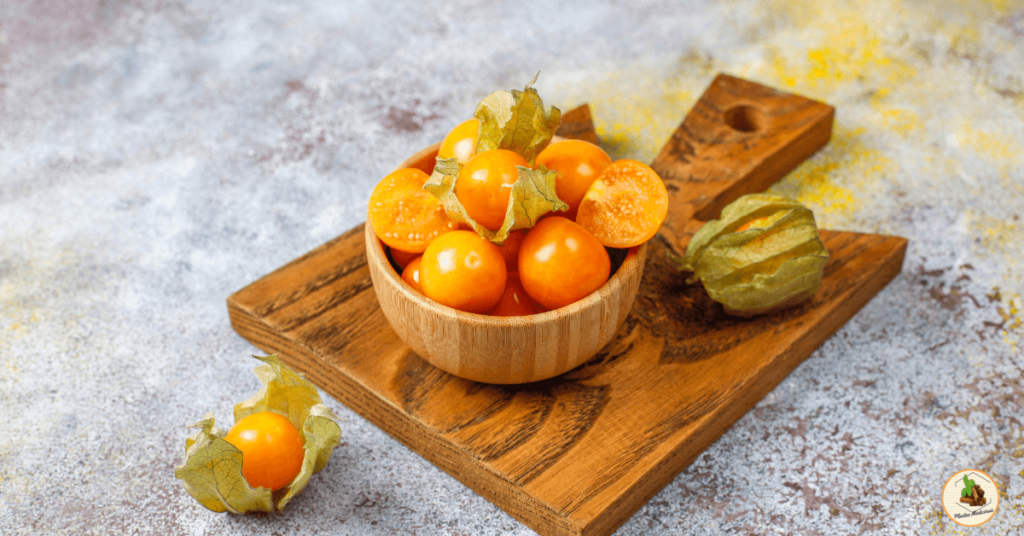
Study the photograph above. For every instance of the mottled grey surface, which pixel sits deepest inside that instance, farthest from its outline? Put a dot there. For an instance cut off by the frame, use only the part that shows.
(157, 156)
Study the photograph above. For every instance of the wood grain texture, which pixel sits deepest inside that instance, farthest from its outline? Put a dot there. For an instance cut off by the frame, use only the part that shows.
(580, 453)
(740, 138)
(578, 124)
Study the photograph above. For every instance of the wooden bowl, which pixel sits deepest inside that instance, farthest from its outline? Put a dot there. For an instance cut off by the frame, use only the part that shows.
(506, 350)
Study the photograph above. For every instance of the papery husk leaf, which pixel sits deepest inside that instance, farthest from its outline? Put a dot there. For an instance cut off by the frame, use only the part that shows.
(734, 215)
(441, 185)
(321, 434)
(754, 250)
(284, 391)
(761, 269)
(292, 395)
(533, 195)
(517, 121)
(795, 282)
(212, 473)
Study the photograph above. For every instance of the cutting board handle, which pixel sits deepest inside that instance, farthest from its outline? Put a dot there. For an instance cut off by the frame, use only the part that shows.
(738, 139)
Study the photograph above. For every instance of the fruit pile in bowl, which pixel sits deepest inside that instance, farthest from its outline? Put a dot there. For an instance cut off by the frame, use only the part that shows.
(503, 265)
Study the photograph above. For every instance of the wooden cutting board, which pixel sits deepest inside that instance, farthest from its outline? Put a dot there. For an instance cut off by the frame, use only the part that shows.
(580, 453)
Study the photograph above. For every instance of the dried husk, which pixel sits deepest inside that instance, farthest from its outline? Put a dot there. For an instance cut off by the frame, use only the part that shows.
(772, 266)
(516, 121)
(533, 195)
(212, 473)
(212, 470)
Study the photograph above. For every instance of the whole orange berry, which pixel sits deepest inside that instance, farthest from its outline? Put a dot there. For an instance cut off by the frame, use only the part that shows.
(460, 143)
(578, 164)
(411, 274)
(561, 262)
(510, 249)
(515, 301)
(272, 449)
(403, 258)
(485, 183)
(463, 270)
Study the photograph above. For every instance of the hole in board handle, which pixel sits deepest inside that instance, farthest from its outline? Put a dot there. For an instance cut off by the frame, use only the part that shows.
(744, 118)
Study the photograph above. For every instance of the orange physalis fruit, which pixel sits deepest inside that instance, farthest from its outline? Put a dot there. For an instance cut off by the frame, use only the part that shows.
(403, 258)
(460, 143)
(515, 301)
(578, 164)
(464, 271)
(272, 449)
(403, 215)
(561, 262)
(757, 223)
(485, 184)
(411, 274)
(510, 250)
(625, 206)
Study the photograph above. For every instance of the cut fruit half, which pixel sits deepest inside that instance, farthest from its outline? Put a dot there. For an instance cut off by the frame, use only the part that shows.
(625, 206)
(403, 215)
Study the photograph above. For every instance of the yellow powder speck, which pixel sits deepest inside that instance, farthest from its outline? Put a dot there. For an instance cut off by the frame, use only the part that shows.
(989, 144)
(1000, 241)
(901, 121)
(923, 110)
(850, 50)
(827, 181)
(639, 107)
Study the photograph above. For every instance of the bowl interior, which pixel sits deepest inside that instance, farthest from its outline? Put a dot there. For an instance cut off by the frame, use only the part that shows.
(503, 350)
(624, 263)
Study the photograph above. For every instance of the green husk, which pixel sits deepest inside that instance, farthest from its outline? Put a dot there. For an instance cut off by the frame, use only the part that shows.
(517, 121)
(284, 391)
(321, 434)
(212, 471)
(533, 195)
(761, 269)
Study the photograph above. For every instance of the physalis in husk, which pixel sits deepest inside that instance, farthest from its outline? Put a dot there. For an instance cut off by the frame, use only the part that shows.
(212, 470)
(761, 256)
(532, 196)
(514, 121)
